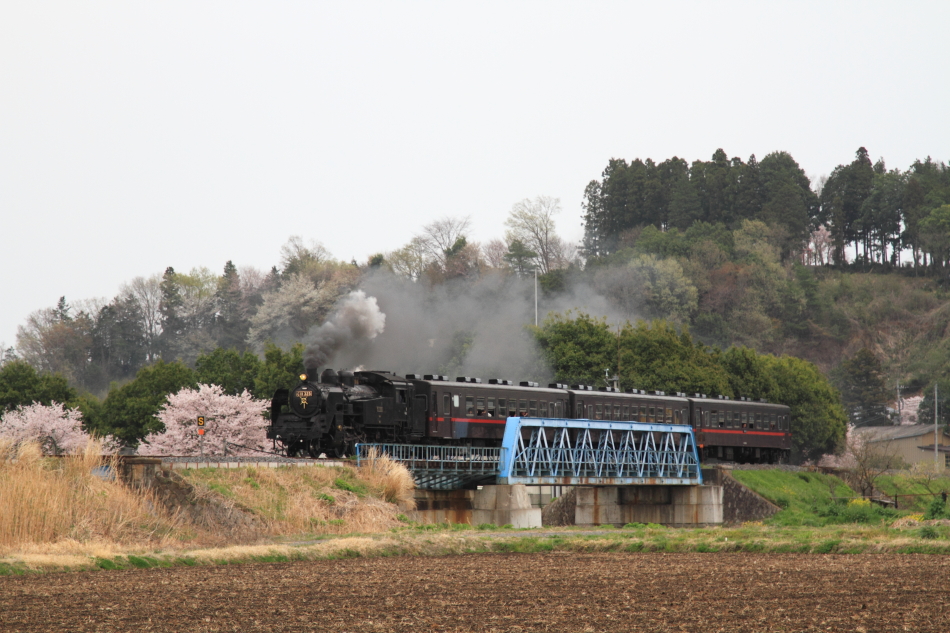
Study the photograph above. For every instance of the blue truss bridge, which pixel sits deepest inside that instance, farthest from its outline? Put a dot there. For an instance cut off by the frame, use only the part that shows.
(546, 451)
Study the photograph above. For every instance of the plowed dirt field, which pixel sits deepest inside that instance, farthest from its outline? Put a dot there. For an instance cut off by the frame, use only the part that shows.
(516, 592)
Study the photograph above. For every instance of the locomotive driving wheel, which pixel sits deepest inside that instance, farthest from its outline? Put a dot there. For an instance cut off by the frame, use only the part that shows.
(342, 450)
(313, 448)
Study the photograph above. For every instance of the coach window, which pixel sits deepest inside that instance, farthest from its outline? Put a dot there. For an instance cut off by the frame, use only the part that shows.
(579, 410)
(772, 422)
(455, 400)
(523, 408)
(677, 417)
(469, 405)
(598, 411)
(446, 406)
(490, 407)
(744, 419)
(651, 417)
(435, 403)
(714, 418)
(590, 412)
(669, 415)
(543, 409)
(533, 408)
(634, 413)
(758, 420)
(625, 412)
(512, 407)
(480, 406)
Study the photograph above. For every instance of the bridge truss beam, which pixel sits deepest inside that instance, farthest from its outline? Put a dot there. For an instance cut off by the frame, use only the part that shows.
(592, 452)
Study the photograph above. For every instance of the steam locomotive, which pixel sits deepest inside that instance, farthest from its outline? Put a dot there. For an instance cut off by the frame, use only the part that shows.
(330, 415)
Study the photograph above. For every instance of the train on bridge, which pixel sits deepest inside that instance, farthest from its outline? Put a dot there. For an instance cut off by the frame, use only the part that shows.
(330, 413)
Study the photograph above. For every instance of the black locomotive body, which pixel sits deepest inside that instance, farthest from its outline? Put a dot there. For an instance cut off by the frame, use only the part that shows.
(331, 415)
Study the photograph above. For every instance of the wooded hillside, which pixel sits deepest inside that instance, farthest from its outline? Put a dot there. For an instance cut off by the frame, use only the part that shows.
(724, 276)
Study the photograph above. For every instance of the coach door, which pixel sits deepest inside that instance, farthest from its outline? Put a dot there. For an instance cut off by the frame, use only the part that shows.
(420, 408)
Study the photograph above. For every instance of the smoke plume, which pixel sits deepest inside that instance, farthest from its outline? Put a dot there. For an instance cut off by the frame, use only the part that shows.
(356, 320)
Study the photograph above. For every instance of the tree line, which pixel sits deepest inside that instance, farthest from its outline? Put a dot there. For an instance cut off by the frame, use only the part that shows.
(652, 356)
(878, 212)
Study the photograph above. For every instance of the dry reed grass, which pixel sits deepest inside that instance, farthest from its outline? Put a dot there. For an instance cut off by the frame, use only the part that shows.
(390, 479)
(47, 501)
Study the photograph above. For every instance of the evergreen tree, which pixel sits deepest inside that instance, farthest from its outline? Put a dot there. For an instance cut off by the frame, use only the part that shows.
(863, 390)
(231, 325)
(173, 325)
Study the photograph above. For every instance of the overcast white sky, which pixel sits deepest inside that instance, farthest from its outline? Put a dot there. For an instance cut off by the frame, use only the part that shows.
(136, 136)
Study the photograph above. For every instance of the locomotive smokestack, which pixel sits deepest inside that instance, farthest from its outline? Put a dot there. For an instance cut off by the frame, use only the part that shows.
(312, 371)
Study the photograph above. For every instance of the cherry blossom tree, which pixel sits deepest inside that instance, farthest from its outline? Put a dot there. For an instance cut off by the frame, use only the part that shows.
(235, 421)
(57, 429)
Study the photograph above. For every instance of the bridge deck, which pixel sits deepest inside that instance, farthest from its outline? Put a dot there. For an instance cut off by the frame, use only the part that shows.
(560, 452)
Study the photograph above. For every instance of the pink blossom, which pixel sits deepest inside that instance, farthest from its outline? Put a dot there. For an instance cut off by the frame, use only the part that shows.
(57, 429)
(235, 420)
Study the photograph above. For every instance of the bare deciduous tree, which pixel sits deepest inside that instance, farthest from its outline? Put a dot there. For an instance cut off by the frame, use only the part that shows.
(532, 223)
(868, 458)
(438, 238)
(410, 260)
(494, 253)
(295, 253)
(147, 293)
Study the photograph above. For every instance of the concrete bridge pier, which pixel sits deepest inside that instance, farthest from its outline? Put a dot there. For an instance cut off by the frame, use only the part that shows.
(676, 506)
(498, 505)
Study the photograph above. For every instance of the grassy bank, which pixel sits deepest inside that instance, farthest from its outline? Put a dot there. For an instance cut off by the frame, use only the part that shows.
(55, 509)
(57, 515)
(458, 540)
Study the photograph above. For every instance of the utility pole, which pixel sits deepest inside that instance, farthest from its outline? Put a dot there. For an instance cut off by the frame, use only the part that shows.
(535, 296)
(900, 405)
(618, 357)
(935, 426)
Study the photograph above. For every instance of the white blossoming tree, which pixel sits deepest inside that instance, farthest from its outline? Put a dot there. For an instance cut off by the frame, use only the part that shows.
(235, 420)
(57, 429)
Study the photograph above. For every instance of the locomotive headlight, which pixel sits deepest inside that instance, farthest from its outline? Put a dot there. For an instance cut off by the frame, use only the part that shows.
(303, 377)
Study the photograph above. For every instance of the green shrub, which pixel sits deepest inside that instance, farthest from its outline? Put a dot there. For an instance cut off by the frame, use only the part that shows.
(928, 532)
(856, 511)
(937, 509)
(349, 486)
